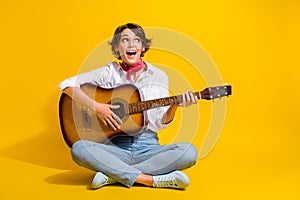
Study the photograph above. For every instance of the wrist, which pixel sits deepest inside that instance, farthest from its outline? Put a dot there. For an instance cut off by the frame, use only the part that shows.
(92, 105)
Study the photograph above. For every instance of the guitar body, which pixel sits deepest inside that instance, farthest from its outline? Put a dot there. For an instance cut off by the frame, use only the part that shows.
(80, 123)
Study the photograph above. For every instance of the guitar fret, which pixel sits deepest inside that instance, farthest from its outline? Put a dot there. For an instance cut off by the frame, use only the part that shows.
(168, 101)
(142, 106)
(175, 100)
(147, 105)
(179, 99)
(156, 103)
(135, 107)
(126, 109)
(153, 104)
(162, 102)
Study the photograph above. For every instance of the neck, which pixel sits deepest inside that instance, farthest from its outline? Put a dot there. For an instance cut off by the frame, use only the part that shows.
(129, 69)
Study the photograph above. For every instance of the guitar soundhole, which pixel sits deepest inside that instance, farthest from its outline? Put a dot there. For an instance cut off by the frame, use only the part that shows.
(121, 112)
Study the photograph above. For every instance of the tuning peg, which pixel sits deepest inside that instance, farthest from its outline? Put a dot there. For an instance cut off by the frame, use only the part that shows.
(225, 84)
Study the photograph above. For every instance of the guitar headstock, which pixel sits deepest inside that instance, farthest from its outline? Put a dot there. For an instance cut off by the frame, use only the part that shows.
(216, 92)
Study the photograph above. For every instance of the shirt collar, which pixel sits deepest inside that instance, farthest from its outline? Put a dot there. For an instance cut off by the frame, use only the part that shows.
(149, 70)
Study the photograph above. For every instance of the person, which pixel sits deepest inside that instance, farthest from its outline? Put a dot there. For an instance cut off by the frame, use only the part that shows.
(140, 158)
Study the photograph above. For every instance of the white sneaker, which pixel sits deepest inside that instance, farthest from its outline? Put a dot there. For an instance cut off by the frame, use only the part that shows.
(176, 179)
(100, 180)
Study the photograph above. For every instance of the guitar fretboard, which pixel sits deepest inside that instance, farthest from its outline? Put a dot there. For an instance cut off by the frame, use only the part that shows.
(141, 106)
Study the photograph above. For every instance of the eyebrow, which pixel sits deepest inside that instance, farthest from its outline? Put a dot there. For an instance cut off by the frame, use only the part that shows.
(126, 35)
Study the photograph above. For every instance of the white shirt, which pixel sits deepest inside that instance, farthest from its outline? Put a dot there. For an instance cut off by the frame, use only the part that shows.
(152, 84)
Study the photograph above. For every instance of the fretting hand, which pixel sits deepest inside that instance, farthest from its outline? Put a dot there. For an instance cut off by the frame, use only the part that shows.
(188, 99)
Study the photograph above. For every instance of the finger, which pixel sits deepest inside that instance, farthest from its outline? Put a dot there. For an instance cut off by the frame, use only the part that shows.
(183, 100)
(188, 97)
(193, 98)
(115, 123)
(104, 122)
(110, 121)
(114, 106)
(116, 117)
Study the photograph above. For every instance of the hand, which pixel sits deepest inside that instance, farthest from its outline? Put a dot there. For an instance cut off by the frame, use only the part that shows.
(107, 116)
(188, 99)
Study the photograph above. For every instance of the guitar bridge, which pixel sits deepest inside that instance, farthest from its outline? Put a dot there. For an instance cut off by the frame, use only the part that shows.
(86, 119)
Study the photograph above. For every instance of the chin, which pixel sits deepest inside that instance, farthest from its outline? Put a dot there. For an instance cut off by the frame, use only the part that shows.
(130, 62)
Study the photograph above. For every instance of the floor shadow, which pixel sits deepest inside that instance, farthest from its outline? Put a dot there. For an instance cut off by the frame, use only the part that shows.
(79, 177)
(48, 148)
(73, 177)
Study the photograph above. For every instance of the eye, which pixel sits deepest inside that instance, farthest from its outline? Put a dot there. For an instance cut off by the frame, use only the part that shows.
(137, 40)
(124, 40)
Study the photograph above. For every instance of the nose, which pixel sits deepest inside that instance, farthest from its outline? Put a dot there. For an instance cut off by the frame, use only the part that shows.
(130, 43)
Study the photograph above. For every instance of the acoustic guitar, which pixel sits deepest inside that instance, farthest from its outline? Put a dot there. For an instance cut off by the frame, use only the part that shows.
(78, 122)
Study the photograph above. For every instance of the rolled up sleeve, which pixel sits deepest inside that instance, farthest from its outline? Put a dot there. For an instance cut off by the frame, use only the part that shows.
(94, 77)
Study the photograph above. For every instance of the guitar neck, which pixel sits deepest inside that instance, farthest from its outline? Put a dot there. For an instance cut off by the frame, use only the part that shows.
(207, 94)
(141, 106)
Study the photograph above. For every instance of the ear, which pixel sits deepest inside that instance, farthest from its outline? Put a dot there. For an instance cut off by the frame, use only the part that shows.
(116, 48)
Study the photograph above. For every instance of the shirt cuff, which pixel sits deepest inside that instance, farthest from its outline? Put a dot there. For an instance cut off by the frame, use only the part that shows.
(70, 82)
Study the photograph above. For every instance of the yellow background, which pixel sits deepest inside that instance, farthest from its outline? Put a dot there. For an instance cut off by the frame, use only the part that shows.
(255, 45)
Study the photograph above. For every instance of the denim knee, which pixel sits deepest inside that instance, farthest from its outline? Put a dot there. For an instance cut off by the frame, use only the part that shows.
(77, 150)
(189, 154)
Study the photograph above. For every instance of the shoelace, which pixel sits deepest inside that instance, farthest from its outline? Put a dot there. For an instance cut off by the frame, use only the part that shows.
(105, 181)
(166, 181)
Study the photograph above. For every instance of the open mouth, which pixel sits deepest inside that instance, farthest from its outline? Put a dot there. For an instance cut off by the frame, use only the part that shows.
(130, 53)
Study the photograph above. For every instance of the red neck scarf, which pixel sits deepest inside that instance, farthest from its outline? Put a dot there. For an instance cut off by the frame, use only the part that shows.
(139, 65)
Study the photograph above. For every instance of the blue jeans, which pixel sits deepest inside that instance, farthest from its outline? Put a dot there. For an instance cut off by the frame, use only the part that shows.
(125, 157)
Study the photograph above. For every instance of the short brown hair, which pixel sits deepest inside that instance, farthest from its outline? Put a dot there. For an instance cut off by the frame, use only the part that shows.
(138, 30)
